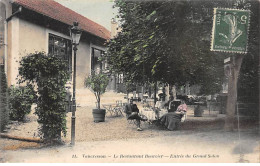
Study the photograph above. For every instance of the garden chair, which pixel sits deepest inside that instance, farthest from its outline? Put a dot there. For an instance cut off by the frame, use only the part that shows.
(134, 121)
(119, 107)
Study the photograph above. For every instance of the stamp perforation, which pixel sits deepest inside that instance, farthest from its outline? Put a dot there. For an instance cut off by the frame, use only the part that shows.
(214, 31)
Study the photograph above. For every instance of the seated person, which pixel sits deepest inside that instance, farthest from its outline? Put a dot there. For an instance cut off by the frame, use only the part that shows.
(182, 108)
(159, 106)
(173, 105)
(132, 111)
(171, 120)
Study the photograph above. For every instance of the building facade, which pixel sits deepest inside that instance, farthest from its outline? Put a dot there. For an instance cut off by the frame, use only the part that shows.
(28, 26)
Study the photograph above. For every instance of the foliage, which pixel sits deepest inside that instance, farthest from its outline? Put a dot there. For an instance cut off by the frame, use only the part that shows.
(169, 41)
(4, 117)
(97, 83)
(248, 79)
(166, 41)
(20, 101)
(47, 74)
(130, 86)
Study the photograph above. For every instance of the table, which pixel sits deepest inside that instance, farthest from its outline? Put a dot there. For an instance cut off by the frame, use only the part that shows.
(113, 109)
(151, 115)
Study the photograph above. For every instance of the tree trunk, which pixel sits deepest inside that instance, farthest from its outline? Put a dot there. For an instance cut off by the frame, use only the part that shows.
(259, 84)
(149, 91)
(172, 96)
(127, 96)
(235, 66)
(155, 89)
(98, 101)
(259, 92)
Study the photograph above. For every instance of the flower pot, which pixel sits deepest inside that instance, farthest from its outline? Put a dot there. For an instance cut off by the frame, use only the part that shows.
(198, 111)
(99, 115)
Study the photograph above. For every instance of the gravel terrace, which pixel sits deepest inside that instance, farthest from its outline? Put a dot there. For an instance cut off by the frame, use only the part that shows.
(114, 128)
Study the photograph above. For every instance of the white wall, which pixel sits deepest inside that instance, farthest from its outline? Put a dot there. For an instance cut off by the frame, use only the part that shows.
(13, 55)
(6, 32)
(83, 63)
(27, 38)
(32, 38)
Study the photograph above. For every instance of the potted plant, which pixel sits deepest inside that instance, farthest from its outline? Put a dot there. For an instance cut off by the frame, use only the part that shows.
(97, 82)
(198, 111)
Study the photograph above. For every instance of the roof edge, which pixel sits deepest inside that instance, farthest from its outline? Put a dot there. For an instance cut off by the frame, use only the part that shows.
(35, 10)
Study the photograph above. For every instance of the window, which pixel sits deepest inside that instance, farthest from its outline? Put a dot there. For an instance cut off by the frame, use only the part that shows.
(96, 63)
(61, 47)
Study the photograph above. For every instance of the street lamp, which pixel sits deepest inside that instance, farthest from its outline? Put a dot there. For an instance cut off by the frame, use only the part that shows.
(75, 34)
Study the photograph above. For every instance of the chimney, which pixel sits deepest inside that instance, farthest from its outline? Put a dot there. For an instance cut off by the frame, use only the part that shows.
(114, 28)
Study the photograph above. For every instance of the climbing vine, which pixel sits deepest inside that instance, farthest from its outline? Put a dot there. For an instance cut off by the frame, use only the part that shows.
(48, 75)
(3, 99)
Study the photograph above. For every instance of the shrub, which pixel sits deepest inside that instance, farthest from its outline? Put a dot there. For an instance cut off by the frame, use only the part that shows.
(3, 99)
(50, 75)
(20, 99)
(97, 83)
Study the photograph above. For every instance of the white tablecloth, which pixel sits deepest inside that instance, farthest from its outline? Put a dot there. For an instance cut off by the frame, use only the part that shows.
(151, 115)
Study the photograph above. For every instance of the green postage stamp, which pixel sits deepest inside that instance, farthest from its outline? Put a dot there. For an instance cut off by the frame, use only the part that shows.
(230, 30)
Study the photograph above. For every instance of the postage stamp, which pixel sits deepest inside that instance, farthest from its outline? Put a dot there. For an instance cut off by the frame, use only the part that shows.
(230, 30)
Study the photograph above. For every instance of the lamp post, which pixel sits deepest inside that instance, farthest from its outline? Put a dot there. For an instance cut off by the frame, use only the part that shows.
(75, 34)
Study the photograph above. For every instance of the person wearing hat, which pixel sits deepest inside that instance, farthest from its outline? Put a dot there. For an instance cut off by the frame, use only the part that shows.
(132, 111)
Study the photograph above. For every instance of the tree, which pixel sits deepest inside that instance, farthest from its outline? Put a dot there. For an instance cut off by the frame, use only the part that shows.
(237, 60)
(156, 44)
(97, 82)
(169, 41)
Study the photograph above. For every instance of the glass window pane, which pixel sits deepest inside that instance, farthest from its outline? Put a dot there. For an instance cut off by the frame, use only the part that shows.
(61, 48)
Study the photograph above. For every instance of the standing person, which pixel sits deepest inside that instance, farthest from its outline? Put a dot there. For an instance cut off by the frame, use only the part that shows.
(68, 99)
(132, 111)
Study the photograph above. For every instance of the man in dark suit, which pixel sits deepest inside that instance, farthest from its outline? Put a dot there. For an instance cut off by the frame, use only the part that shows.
(132, 111)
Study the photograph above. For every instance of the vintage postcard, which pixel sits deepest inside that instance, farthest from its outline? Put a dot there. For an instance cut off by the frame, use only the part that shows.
(129, 81)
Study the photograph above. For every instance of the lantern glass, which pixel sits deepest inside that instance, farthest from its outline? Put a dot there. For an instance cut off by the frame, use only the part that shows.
(75, 33)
